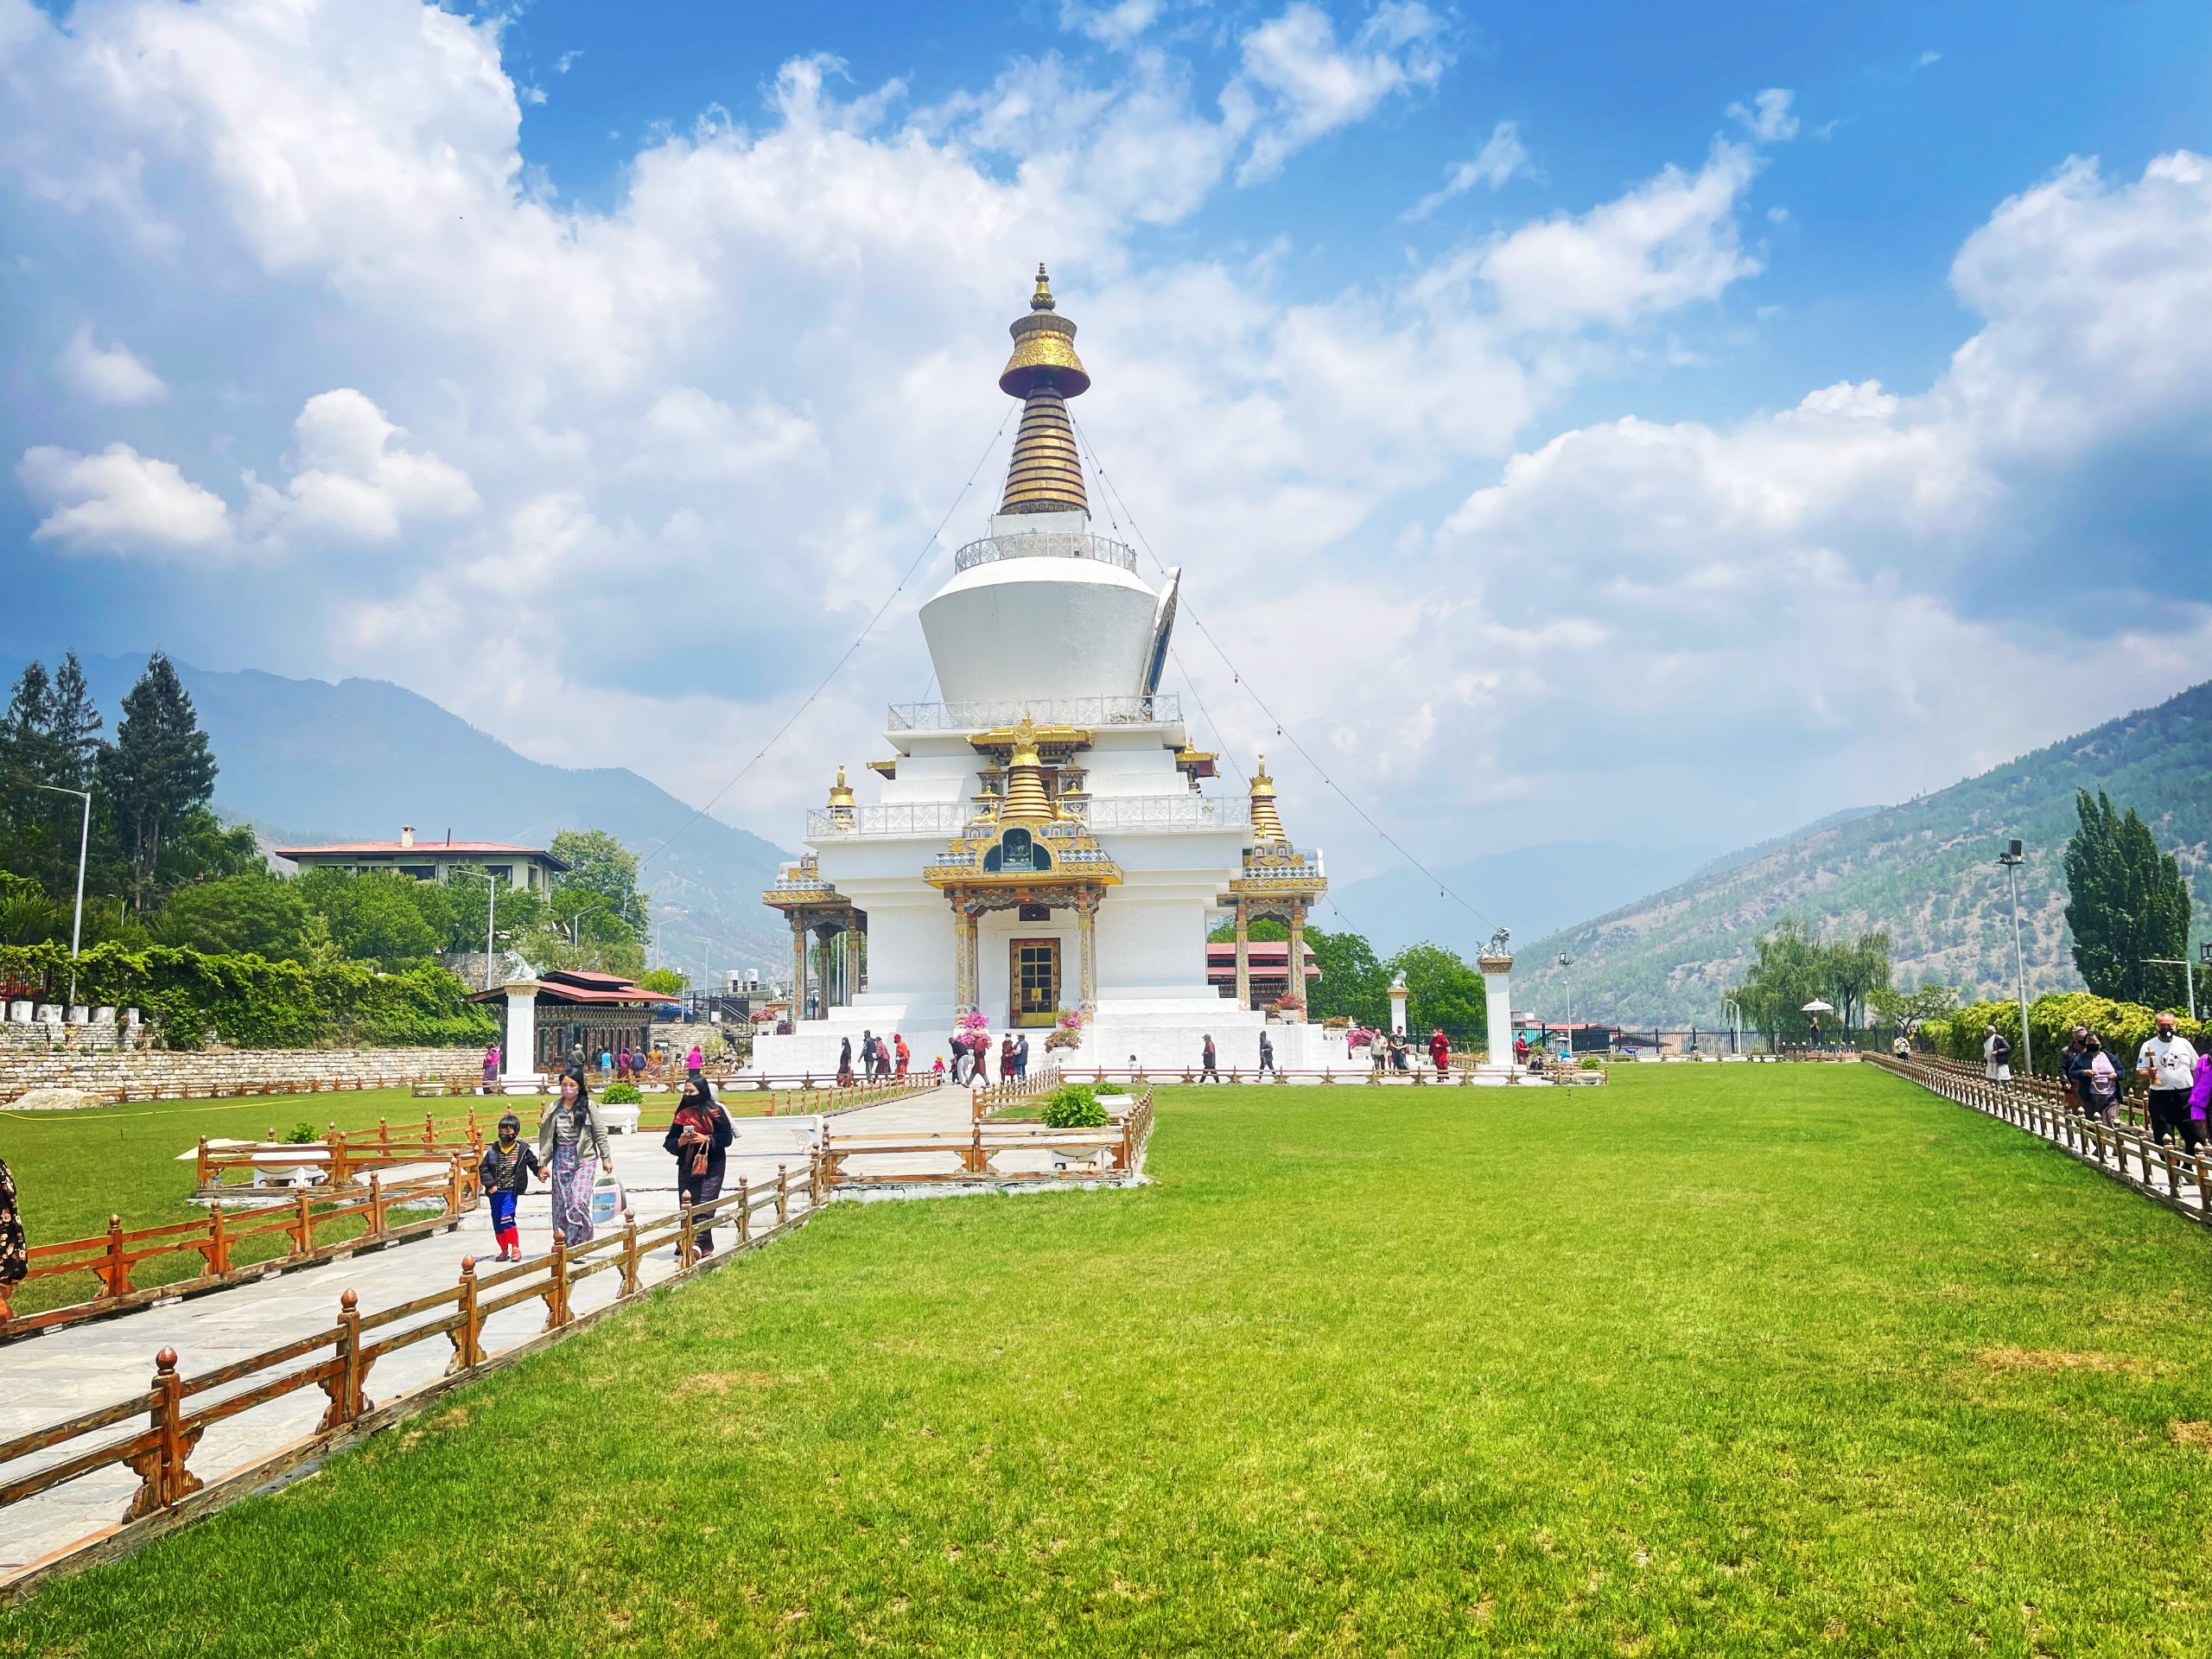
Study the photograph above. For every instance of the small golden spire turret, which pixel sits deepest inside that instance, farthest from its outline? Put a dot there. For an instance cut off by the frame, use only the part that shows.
(841, 795)
(1027, 801)
(1267, 823)
(1046, 474)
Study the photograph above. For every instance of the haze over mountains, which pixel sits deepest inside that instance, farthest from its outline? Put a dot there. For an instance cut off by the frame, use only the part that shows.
(305, 760)
(1925, 870)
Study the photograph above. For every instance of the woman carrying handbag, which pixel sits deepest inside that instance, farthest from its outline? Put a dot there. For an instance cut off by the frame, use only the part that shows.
(699, 1139)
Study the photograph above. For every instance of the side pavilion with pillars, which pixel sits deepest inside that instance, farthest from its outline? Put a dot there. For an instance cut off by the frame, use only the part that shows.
(816, 911)
(1279, 880)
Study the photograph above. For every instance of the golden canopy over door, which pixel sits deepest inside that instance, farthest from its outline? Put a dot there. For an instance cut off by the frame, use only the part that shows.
(1034, 976)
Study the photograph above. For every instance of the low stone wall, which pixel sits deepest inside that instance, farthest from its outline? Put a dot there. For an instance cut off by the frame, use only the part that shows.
(109, 1074)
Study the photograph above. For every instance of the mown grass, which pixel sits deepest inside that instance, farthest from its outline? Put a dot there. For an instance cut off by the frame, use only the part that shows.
(74, 1170)
(1785, 1359)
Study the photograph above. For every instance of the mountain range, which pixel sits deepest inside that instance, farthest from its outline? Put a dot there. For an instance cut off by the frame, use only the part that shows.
(305, 761)
(1925, 870)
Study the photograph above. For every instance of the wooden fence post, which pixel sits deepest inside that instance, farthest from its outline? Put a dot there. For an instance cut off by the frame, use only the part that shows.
(201, 1178)
(376, 1205)
(687, 1242)
(629, 1251)
(218, 1239)
(163, 1480)
(782, 1196)
(302, 1223)
(467, 1337)
(744, 1211)
(556, 1288)
(343, 1384)
(115, 1272)
(341, 1169)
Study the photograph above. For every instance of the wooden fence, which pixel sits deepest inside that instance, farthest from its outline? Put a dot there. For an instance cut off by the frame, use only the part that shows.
(1114, 1150)
(2177, 1177)
(162, 1426)
(225, 1238)
(1000, 1095)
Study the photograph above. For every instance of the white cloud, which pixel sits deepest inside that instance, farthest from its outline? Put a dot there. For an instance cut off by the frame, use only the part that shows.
(121, 501)
(1116, 25)
(1767, 118)
(1316, 84)
(1670, 241)
(111, 375)
(1500, 159)
(351, 484)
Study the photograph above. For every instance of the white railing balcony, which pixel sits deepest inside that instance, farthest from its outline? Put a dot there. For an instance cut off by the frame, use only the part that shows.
(1165, 709)
(892, 820)
(1265, 862)
(1164, 814)
(1046, 545)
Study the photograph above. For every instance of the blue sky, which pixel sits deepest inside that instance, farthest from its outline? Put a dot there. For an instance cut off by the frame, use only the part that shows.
(1824, 383)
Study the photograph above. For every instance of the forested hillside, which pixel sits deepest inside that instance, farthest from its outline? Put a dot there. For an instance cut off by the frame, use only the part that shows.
(1925, 870)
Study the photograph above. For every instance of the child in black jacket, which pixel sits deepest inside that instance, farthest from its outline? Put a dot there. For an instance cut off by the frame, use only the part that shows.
(505, 1169)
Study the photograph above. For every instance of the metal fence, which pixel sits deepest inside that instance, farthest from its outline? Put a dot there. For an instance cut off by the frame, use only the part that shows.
(1164, 709)
(1046, 545)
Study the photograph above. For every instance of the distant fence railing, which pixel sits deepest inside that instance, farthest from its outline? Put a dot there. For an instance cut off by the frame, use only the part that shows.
(1166, 707)
(227, 1243)
(1115, 1150)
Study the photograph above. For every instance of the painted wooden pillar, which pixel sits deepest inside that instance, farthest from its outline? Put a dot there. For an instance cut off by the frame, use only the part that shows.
(852, 962)
(799, 968)
(1244, 956)
(1294, 979)
(1086, 938)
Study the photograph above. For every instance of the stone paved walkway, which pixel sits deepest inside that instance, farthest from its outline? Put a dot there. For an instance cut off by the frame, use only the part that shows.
(77, 1369)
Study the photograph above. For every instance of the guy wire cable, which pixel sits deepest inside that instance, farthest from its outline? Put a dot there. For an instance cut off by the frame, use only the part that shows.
(858, 640)
(1443, 889)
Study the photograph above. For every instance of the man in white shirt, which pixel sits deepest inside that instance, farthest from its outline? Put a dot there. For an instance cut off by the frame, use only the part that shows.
(2168, 1063)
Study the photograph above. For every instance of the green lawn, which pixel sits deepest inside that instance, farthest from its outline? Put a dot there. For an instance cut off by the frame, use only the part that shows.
(1783, 1359)
(74, 1169)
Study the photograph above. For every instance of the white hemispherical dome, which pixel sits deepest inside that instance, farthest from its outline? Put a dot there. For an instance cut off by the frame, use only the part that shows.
(1020, 623)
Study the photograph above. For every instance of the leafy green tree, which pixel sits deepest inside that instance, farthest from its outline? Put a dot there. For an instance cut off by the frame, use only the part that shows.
(375, 918)
(1856, 969)
(25, 763)
(666, 980)
(2126, 903)
(1907, 1011)
(158, 771)
(1352, 985)
(256, 915)
(27, 915)
(601, 881)
(520, 912)
(1787, 971)
(1443, 990)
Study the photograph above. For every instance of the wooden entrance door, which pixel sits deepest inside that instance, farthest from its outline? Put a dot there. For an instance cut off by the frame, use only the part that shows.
(1033, 977)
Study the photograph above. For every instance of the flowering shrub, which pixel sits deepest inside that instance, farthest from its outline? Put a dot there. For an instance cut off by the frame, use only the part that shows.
(621, 1094)
(975, 1021)
(1064, 1037)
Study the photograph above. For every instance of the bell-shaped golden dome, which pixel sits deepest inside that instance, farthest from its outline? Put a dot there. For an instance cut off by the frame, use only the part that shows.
(841, 794)
(1044, 350)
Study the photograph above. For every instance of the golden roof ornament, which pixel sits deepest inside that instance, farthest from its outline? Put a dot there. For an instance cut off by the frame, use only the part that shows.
(1267, 823)
(841, 796)
(1027, 799)
(1046, 474)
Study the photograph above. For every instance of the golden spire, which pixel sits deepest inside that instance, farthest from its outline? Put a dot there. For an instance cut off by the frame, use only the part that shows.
(841, 796)
(1266, 824)
(1026, 800)
(1046, 474)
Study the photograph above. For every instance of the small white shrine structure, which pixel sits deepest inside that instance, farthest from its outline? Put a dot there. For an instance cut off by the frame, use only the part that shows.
(1041, 850)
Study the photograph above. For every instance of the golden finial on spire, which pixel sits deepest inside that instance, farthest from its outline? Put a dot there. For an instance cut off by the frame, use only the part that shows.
(1267, 823)
(841, 796)
(1046, 474)
(1027, 799)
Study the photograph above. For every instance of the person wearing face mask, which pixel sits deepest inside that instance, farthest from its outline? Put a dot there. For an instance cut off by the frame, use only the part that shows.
(504, 1171)
(2099, 1081)
(2168, 1061)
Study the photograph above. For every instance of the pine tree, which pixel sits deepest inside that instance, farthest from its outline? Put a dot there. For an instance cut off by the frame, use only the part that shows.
(2126, 904)
(24, 765)
(158, 770)
(70, 749)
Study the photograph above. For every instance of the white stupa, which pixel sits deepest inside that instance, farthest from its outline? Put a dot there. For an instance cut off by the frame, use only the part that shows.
(1042, 850)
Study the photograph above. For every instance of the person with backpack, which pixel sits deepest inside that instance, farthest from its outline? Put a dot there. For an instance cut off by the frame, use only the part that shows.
(698, 1139)
(1996, 1057)
(504, 1171)
(2072, 1071)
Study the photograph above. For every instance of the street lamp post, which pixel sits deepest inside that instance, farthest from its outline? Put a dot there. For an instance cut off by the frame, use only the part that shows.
(1735, 1024)
(2011, 859)
(1566, 962)
(491, 917)
(2188, 973)
(84, 845)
